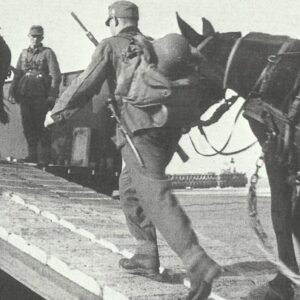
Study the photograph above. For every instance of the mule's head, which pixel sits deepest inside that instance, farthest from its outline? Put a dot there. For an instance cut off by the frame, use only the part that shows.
(215, 47)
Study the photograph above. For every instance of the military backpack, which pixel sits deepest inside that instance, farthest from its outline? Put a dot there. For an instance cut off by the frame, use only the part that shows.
(157, 99)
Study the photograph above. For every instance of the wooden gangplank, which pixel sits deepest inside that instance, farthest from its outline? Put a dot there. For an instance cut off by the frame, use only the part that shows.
(64, 241)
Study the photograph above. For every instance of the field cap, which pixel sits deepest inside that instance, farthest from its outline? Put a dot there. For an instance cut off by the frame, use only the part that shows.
(36, 30)
(122, 9)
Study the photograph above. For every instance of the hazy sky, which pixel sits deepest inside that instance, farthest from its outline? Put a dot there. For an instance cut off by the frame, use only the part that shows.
(157, 18)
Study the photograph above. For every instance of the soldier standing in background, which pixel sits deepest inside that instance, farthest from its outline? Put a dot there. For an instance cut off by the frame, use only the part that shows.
(145, 192)
(35, 87)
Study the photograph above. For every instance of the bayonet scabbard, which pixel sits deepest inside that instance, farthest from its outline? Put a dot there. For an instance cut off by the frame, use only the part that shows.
(124, 132)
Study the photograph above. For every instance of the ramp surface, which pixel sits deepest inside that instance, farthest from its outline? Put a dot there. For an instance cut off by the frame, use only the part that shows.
(64, 241)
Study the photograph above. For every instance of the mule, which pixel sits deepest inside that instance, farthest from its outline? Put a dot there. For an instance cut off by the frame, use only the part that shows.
(5, 59)
(244, 64)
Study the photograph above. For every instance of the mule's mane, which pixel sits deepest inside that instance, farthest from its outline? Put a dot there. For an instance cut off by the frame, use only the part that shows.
(252, 57)
(266, 39)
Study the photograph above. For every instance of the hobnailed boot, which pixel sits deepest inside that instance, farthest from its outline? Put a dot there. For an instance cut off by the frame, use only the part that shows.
(44, 149)
(142, 265)
(280, 288)
(202, 274)
(30, 158)
(45, 157)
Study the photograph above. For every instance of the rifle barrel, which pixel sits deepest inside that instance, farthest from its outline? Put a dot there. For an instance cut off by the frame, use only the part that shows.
(78, 21)
(88, 33)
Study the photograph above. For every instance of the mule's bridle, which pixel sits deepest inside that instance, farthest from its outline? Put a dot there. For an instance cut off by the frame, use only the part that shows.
(231, 56)
(204, 43)
(224, 107)
(230, 60)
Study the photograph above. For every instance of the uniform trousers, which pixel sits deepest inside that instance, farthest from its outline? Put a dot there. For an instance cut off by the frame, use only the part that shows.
(148, 202)
(33, 112)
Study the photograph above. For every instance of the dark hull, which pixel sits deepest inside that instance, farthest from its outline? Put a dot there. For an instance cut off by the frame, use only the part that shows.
(91, 160)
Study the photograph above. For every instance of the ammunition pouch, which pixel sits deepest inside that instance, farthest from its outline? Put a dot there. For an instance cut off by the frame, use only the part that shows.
(34, 84)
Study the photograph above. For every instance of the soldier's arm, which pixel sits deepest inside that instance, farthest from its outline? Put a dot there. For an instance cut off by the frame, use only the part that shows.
(19, 62)
(54, 72)
(85, 85)
(5, 59)
(18, 73)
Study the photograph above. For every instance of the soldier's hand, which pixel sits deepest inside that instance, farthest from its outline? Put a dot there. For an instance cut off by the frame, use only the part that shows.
(48, 120)
(11, 100)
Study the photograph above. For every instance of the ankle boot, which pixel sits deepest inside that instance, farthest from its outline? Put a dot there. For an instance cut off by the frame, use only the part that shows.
(142, 265)
(30, 158)
(202, 273)
(280, 288)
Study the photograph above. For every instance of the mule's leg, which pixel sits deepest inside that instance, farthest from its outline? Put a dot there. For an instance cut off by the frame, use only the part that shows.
(281, 212)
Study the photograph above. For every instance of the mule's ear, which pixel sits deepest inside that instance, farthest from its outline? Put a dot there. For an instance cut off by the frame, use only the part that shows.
(208, 29)
(193, 37)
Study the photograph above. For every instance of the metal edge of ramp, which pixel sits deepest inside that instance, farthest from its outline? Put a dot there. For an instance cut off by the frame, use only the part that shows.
(39, 277)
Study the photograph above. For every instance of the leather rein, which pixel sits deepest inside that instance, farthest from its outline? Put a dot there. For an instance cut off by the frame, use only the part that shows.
(223, 108)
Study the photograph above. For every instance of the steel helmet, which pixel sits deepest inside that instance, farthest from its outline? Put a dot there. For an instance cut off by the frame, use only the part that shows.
(173, 55)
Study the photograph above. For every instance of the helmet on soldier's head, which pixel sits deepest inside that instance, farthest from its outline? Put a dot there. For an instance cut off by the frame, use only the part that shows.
(173, 55)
